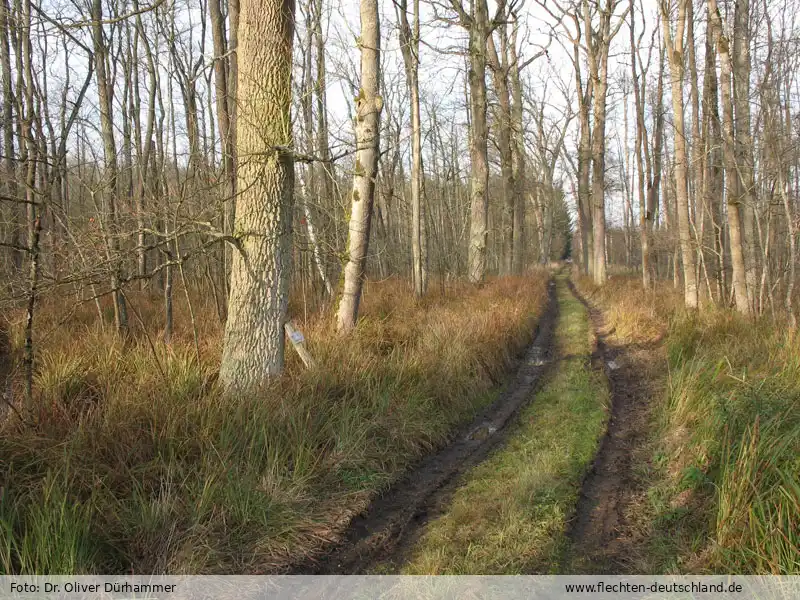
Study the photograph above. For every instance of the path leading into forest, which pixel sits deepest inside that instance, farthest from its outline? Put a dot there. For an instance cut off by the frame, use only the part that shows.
(604, 537)
(597, 537)
(392, 519)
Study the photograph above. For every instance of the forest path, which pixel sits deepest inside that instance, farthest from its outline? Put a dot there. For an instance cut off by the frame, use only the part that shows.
(394, 520)
(511, 514)
(543, 481)
(604, 535)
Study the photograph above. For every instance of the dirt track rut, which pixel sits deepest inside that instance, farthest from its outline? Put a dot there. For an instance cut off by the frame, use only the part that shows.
(393, 521)
(603, 537)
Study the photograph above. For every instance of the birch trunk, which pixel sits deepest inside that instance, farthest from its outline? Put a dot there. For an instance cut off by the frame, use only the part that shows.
(368, 111)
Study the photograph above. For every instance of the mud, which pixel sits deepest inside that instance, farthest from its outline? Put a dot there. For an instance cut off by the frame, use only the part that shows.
(604, 536)
(385, 533)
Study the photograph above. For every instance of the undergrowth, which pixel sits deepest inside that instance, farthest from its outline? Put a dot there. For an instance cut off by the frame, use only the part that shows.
(723, 479)
(131, 460)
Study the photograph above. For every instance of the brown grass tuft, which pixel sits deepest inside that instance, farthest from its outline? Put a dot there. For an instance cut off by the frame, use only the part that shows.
(137, 463)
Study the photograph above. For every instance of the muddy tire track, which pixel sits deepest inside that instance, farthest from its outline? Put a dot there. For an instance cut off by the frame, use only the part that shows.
(386, 532)
(603, 537)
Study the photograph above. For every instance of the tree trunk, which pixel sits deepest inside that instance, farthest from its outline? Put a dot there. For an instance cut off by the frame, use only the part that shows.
(641, 148)
(260, 268)
(585, 98)
(675, 52)
(9, 188)
(500, 68)
(479, 202)
(368, 111)
(743, 142)
(409, 45)
(731, 171)
(598, 182)
(518, 167)
(104, 87)
(598, 44)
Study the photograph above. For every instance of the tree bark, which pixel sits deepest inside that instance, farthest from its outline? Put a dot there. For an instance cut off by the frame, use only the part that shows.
(518, 165)
(368, 110)
(500, 67)
(743, 142)
(104, 92)
(731, 170)
(479, 177)
(598, 45)
(254, 338)
(675, 52)
(409, 45)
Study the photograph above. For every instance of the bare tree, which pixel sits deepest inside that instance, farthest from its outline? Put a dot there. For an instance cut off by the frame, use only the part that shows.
(480, 27)
(675, 46)
(731, 168)
(368, 111)
(105, 90)
(409, 45)
(598, 46)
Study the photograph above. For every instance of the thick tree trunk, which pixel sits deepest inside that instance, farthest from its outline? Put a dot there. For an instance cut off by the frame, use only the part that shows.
(744, 143)
(479, 178)
(260, 268)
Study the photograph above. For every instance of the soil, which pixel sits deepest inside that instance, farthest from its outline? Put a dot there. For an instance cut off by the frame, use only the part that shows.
(388, 529)
(604, 534)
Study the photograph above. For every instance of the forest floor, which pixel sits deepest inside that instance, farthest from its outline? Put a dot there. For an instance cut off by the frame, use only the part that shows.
(606, 535)
(544, 481)
(391, 524)
(537, 424)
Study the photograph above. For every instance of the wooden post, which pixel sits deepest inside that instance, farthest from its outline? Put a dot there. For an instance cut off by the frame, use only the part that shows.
(299, 343)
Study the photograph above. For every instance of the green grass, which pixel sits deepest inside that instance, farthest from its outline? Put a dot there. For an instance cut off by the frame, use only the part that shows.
(509, 517)
(133, 461)
(722, 467)
(727, 494)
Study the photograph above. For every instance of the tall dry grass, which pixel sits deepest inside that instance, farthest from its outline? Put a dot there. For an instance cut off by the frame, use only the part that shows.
(725, 471)
(132, 459)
